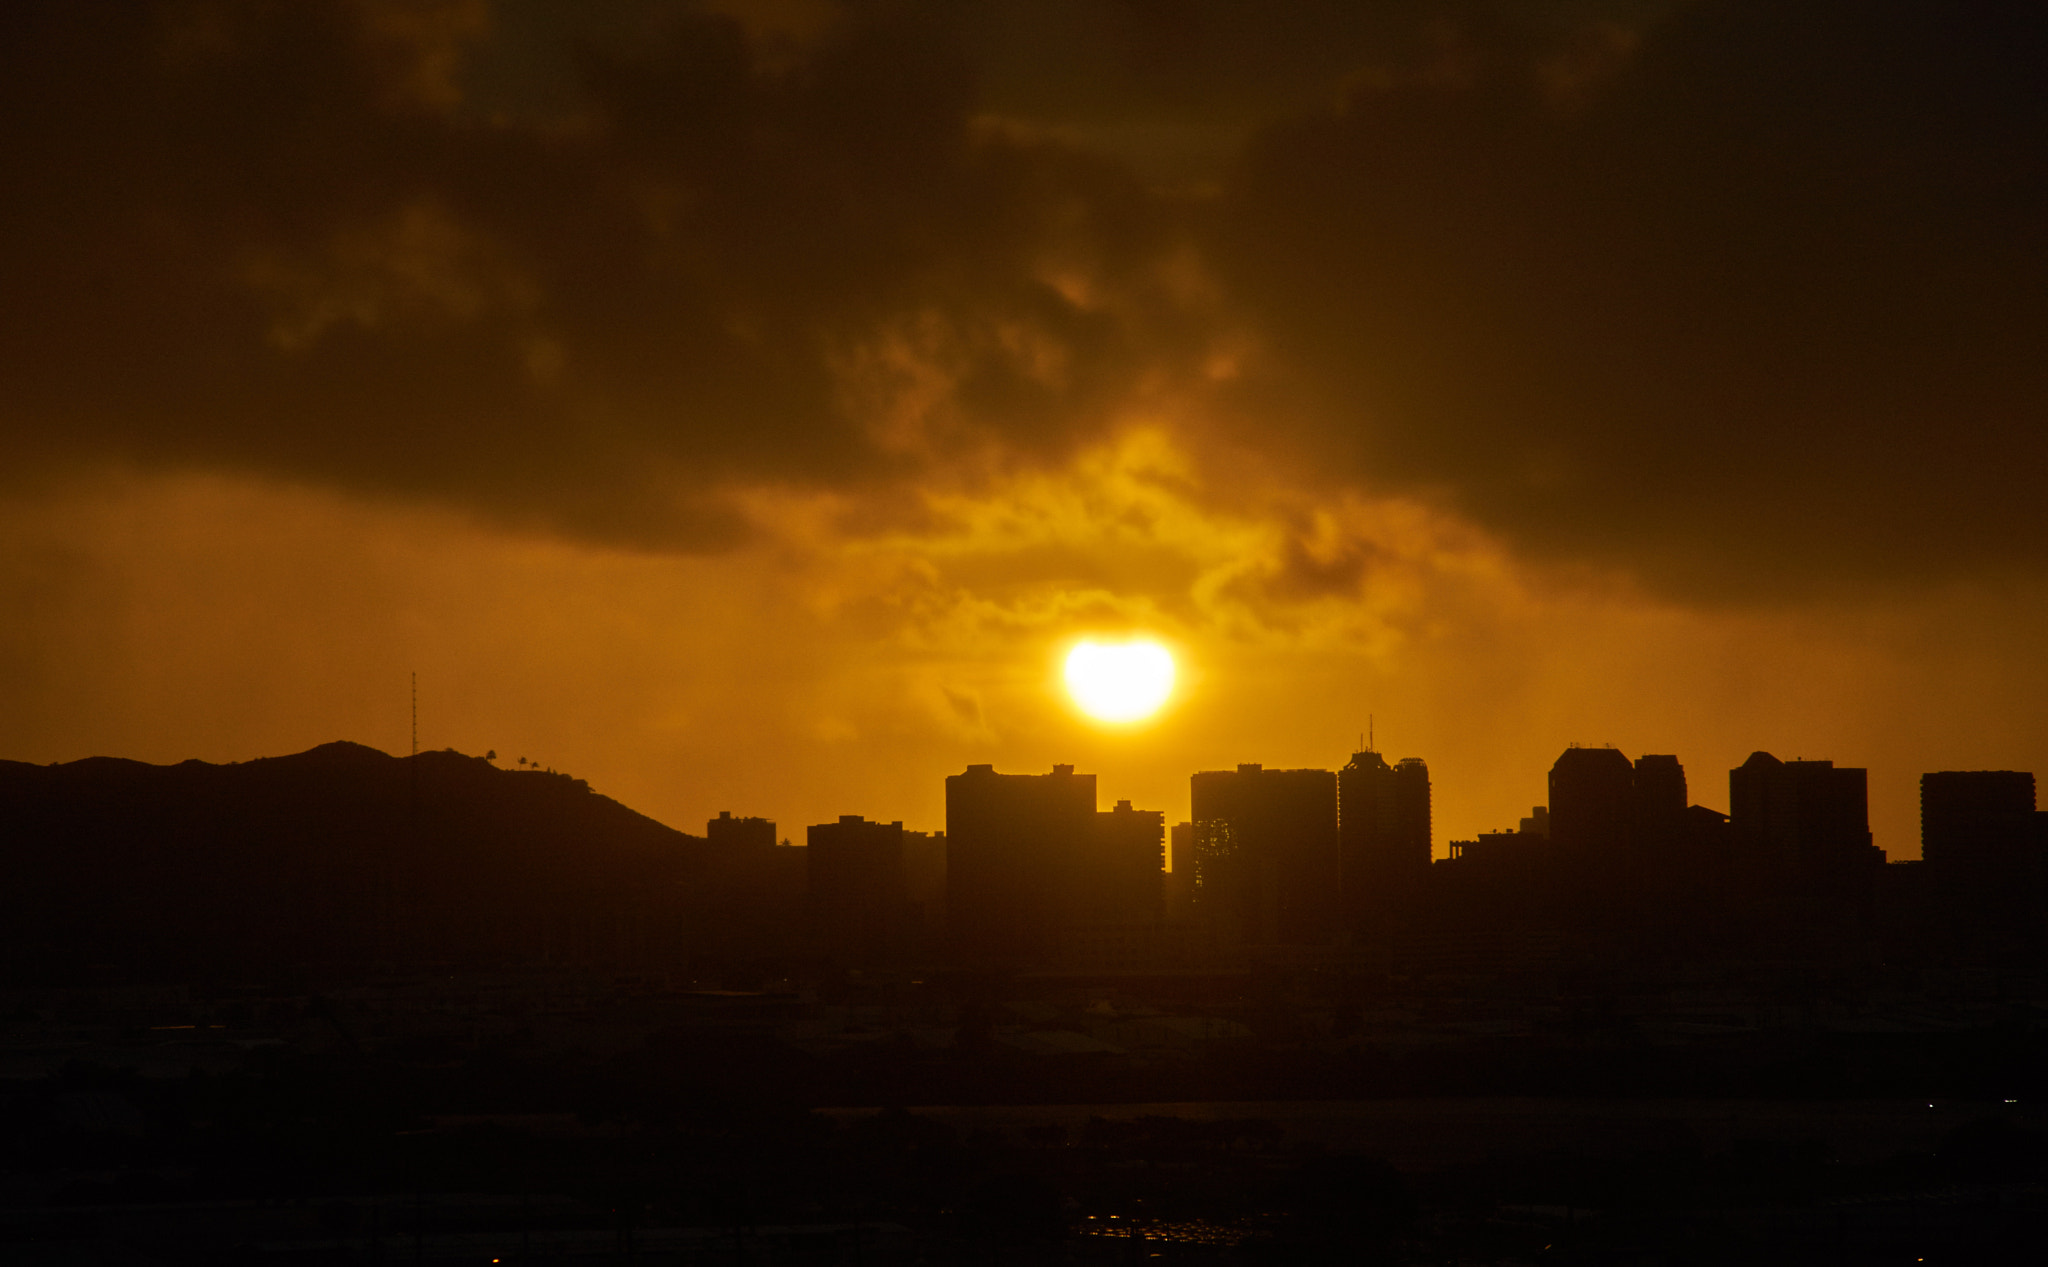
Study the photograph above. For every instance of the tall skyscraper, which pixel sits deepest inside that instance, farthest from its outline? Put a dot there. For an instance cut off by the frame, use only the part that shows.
(1266, 852)
(1383, 828)
(1014, 842)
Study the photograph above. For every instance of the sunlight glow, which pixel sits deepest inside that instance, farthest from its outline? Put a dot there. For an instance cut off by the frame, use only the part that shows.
(1119, 681)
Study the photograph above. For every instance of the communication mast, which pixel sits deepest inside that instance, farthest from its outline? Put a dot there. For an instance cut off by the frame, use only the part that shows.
(413, 766)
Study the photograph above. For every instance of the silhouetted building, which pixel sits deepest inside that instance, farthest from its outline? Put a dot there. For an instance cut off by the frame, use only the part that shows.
(1706, 827)
(1489, 907)
(858, 890)
(1641, 875)
(1659, 796)
(1033, 872)
(1411, 807)
(1801, 813)
(1266, 852)
(753, 892)
(1977, 818)
(1505, 852)
(1384, 834)
(726, 833)
(924, 882)
(1115, 905)
(1804, 870)
(1985, 847)
(1180, 874)
(1180, 857)
(1124, 866)
(1592, 806)
(1013, 844)
(1612, 815)
(1538, 822)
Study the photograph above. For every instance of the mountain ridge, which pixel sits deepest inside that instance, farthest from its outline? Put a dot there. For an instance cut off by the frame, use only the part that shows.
(338, 853)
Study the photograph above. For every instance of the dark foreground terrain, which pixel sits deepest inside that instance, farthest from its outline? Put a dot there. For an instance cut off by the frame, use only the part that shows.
(557, 1116)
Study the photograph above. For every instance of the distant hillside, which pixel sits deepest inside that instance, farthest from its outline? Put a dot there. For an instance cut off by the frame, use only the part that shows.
(339, 854)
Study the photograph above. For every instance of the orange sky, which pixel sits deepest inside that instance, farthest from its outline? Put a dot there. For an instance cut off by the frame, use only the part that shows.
(806, 676)
(743, 405)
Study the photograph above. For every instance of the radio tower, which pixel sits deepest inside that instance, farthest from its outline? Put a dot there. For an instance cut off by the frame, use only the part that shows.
(414, 764)
(412, 823)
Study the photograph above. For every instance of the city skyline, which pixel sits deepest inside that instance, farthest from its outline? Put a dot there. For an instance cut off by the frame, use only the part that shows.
(345, 855)
(1901, 843)
(1712, 794)
(1407, 818)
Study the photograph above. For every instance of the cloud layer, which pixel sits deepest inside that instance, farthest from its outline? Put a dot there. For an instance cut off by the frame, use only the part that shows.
(1751, 296)
(1740, 299)
(290, 238)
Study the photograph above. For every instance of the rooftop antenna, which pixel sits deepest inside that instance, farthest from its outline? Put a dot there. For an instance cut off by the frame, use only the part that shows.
(1368, 734)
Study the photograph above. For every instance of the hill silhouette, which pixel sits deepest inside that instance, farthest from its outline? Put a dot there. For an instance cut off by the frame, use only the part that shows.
(340, 854)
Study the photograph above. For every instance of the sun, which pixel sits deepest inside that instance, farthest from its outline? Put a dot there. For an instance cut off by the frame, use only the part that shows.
(1119, 681)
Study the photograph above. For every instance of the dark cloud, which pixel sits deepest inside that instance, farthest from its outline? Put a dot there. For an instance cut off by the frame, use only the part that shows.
(285, 238)
(1742, 296)
(1750, 297)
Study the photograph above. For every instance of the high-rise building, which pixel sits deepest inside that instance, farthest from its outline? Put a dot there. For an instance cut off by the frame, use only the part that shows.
(1659, 794)
(1180, 875)
(1383, 829)
(1266, 852)
(1592, 806)
(1014, 843)
(1124, 866)
(924, 881)
(1033, 872)
(1621, 829)
(1800, 813)
(1411, 812)
(1803, 873)
(761, 886)
(1969, 817)
(858, 898)
(1986, 846)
